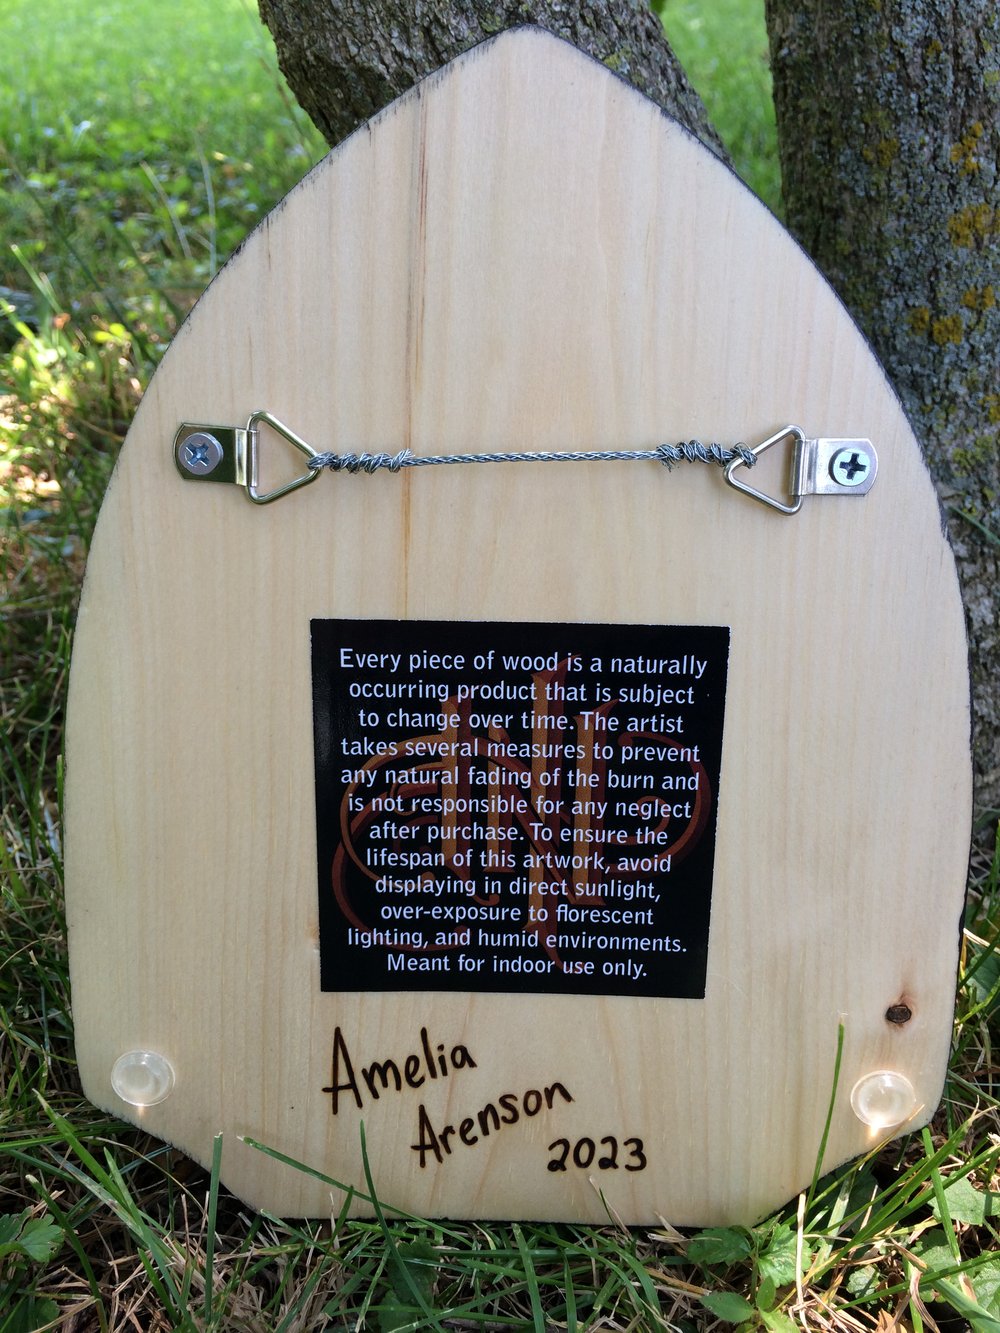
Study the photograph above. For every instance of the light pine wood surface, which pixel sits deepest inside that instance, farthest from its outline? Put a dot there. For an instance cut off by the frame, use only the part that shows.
(522, 253)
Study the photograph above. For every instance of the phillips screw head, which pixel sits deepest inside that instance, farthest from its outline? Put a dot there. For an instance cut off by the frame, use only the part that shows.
(850, 467)
(200, 453)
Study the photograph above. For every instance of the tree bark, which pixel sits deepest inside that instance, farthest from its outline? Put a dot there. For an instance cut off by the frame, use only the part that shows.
(889, 131)
(346, 59)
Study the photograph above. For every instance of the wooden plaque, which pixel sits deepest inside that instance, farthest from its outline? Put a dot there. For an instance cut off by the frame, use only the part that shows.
(550, 819)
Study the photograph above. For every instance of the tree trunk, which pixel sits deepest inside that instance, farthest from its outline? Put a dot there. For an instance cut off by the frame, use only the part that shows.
(889, 129)
(346, 59)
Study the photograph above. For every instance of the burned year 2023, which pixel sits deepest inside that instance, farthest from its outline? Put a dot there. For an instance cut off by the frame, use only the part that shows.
(516, 806)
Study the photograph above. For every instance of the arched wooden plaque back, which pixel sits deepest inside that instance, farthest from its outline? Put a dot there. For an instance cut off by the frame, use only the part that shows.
(521, 254)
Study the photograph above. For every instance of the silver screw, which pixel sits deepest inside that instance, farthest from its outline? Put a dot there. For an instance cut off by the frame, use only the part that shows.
(200, 453)
(850, 467)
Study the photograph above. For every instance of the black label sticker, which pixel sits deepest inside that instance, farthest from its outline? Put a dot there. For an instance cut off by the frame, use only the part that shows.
(516, 807)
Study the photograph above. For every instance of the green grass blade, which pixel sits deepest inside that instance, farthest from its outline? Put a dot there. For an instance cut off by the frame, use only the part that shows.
(211, 1224)
(825, 1139)
(531, 1277)
(399, 1264)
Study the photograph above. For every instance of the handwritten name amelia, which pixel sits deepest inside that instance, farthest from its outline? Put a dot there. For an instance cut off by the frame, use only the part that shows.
(426, 1064)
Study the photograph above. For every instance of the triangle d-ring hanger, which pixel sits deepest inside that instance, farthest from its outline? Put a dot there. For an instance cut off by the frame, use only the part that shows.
(818, 467)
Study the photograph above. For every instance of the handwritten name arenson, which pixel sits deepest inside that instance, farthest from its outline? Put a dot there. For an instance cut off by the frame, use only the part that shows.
(431, 1063)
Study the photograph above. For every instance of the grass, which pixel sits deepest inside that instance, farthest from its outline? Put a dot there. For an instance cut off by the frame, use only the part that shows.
(723, 47)
(129, 171)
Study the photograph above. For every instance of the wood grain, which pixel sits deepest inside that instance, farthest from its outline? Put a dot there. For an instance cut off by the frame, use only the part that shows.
(522, 253)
